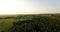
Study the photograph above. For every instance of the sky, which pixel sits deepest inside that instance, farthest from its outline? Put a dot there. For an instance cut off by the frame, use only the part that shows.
(29, 6)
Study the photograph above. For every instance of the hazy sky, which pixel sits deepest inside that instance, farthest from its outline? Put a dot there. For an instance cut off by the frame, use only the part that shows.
(29, 6)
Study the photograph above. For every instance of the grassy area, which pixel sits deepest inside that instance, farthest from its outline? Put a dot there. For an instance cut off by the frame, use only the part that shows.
(30, 23)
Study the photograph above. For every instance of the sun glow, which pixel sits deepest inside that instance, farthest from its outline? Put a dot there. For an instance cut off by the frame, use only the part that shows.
(28, 7)
(11, 6)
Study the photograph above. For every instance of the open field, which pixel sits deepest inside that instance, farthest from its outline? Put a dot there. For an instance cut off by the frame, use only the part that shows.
(30, 23)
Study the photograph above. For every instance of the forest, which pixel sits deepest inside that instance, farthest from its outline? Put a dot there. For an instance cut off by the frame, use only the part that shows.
(30, 23)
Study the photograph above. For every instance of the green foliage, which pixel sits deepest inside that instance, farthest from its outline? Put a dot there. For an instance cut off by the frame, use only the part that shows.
(31, 23)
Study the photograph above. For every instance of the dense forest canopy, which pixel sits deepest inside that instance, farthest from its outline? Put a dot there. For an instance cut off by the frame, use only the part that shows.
(30, 23)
